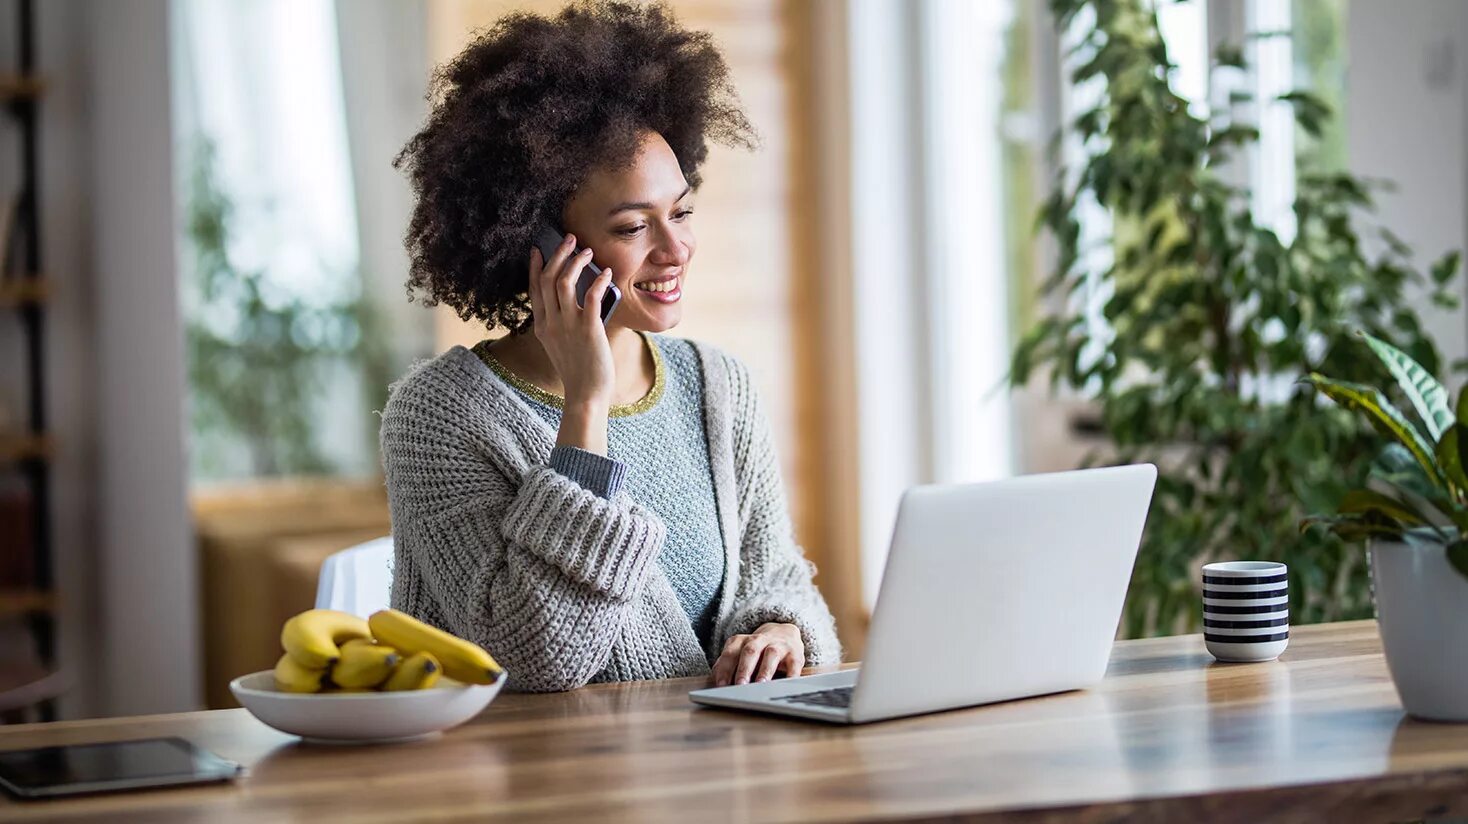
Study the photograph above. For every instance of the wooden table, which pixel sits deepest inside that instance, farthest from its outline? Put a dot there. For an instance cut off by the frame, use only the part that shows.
(1168, 736)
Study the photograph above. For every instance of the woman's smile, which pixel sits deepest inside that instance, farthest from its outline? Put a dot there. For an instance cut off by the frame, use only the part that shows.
(664, 290)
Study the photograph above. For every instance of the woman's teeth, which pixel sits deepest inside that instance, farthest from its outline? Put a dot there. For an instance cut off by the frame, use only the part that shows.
(660, 286)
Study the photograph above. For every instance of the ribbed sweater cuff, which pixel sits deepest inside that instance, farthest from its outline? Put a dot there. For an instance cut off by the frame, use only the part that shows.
(597, 473)
(817, 627)
(607, 545)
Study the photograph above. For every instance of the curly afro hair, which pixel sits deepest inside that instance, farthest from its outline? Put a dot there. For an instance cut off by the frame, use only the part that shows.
(524, 113)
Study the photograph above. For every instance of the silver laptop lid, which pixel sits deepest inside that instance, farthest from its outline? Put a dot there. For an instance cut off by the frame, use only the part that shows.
(1001, 590)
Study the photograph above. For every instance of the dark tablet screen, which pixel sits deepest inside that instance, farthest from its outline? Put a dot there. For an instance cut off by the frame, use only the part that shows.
(121, 765)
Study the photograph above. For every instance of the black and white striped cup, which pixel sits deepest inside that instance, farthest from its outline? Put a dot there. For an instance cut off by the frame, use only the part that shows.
(1246, 610)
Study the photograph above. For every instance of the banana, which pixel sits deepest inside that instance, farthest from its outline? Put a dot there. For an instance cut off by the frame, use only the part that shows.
(290, 676)
(461, 660)
(363, 664)
(312, 637)
(418, 671)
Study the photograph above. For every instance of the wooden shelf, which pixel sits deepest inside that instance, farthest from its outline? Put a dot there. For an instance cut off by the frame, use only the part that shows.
(25, 443)
(19, 446)
(20, 87)
(28, 291)
(25, 601)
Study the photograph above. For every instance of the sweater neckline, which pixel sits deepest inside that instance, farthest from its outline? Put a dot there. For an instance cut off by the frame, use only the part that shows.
(551, 399)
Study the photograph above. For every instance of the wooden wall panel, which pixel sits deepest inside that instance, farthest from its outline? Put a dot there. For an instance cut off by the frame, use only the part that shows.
(751, 285)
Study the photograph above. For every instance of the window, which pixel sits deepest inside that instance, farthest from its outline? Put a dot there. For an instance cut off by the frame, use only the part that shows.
(283, 363)
(1318, 34)
(967, 223)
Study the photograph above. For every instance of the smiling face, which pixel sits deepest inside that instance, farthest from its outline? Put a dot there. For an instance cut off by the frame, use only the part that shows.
(637, 220)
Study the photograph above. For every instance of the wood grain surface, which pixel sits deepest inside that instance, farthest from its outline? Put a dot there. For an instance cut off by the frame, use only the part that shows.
(1168, 736)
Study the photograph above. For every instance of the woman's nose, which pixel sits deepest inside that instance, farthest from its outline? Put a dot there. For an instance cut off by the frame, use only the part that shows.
(673, 248)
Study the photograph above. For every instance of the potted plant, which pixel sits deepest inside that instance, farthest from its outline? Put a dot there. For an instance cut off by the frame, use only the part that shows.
(1187, 327)
(1414, 515)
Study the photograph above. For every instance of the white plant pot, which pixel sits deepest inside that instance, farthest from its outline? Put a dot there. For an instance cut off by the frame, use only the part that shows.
(1422, 613)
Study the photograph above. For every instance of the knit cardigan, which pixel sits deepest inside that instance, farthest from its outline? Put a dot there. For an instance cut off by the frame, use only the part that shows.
(560, 585)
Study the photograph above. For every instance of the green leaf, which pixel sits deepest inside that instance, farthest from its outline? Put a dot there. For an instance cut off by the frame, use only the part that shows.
(1396, 468)
(1310, 110)
(1369, 500)
(1427, 395)
(1384, 417)
(1237, 135)
(1443, 270)
(1450, 457)
(1354, 527)
(1458, 556)
(1394, 459)
(1227, 55)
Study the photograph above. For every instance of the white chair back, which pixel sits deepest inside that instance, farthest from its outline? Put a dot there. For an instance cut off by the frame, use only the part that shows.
(357, 579)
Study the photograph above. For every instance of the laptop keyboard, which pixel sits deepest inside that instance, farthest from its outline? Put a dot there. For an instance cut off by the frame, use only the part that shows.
(839, 697)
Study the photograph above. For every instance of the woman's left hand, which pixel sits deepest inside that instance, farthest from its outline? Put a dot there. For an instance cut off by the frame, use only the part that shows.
(759, 655)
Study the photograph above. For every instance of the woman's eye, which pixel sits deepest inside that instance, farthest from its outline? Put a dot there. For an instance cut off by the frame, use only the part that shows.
(633, 230)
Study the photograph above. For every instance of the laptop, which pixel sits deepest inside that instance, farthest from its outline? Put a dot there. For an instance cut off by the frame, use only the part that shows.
(992, 592)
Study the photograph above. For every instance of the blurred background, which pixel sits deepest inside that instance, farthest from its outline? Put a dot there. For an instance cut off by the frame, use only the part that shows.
(200, 231)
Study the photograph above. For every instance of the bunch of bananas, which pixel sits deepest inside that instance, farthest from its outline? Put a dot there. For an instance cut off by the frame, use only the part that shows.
(327, 650)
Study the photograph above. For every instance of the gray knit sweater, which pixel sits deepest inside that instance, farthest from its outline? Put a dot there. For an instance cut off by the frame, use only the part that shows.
(658, 449)
(559, 584)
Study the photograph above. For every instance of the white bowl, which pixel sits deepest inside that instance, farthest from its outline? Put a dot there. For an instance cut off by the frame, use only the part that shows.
(362, 717)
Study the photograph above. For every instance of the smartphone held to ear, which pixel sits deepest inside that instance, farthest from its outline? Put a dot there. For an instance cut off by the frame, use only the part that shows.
(548, 239)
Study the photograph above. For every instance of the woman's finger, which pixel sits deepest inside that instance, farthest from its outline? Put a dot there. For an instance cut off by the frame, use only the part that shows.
(592, 311)
(723, 673)
(748, 657)
(546, 282)
(565, 285)
(794, 663)
(770, 661)
(726, 670)
(532, 287)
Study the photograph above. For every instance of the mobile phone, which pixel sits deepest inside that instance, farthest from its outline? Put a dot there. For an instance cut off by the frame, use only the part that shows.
(76, 769)
(548, 240)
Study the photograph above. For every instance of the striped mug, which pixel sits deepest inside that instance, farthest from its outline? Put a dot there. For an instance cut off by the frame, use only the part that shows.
(1246, 610)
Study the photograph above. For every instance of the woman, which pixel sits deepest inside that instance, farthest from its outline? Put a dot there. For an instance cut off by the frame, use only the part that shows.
(589, 502)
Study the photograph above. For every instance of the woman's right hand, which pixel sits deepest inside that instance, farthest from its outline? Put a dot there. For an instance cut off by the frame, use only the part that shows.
(573, 337)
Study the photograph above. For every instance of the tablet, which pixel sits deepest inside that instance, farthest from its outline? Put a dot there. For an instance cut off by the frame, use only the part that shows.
(49, 772)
